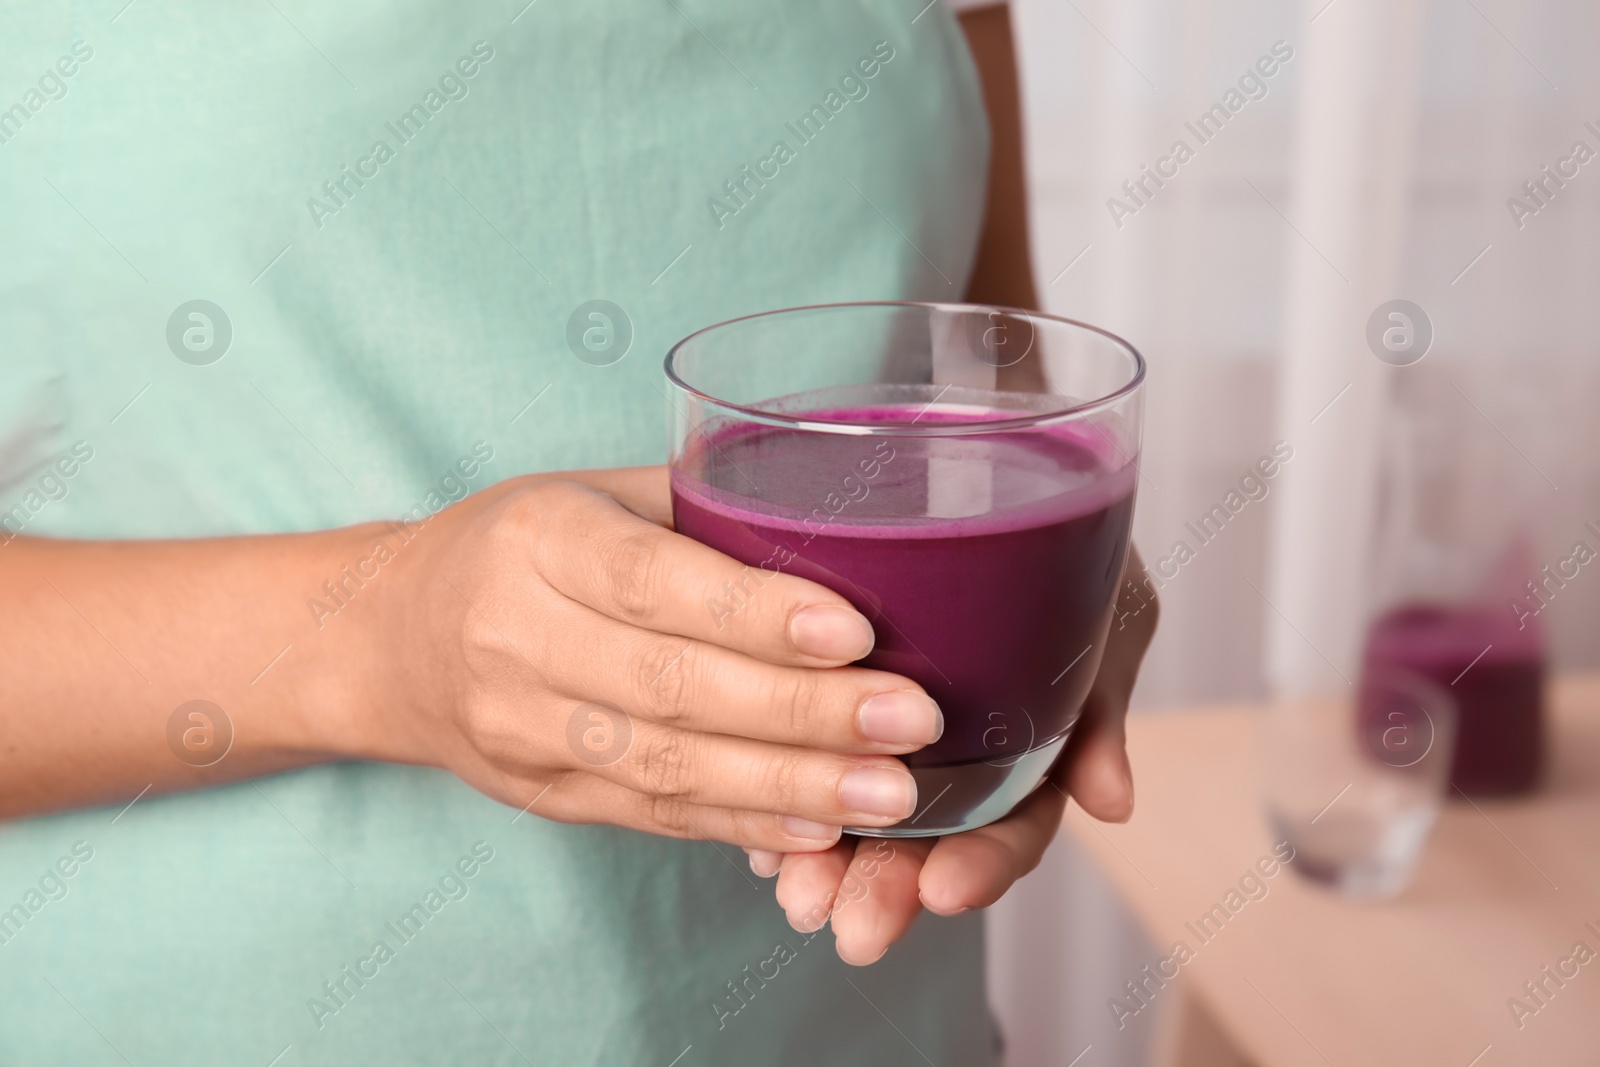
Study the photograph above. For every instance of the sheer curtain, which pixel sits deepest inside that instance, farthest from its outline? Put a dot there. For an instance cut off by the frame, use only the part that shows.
(1377, 162)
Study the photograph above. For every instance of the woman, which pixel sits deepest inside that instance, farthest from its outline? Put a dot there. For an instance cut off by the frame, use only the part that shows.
(302, 784)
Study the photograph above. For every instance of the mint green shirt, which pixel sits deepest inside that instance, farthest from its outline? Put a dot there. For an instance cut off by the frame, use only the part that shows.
(397, 215)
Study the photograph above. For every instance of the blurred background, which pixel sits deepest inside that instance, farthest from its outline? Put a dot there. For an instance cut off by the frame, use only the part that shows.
(1384, 160)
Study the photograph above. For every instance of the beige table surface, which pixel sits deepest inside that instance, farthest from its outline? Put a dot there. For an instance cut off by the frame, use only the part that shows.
(1304, 976)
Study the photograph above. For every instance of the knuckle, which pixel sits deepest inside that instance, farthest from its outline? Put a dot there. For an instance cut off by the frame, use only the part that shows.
(481, 725)
(478, 638)
(489, 657)
(548, 493)
(631, 573)
(512, 525)
(665, 765)
(794, 699)
(669, 817)
(743, 826)
(785, 780)
(665, 678)
(531, 521)
(499, 737)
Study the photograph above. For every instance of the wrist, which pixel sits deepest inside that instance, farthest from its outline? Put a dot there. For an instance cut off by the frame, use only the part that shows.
(388, 605)
(334, 681)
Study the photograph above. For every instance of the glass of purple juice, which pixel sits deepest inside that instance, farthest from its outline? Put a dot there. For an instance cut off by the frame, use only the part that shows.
(963, 475)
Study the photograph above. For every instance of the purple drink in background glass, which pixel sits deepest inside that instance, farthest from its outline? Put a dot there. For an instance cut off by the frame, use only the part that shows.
(1494, 670)
(964, 475)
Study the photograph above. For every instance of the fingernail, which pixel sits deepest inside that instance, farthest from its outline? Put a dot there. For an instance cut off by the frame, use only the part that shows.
(903, 717)
(861, 962)
(946, 913)
(879, 791)
(829, 631)
(815, 831)
(808, 924)
(765, 864)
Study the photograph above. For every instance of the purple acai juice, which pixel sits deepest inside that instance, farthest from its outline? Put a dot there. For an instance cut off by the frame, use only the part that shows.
(988, 564)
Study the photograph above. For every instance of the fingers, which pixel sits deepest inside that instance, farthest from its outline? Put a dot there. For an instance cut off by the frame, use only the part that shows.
(874, 902)
(808, 884)
(877, 900)
(586, 799)
(868, 887)
(974, 869)
(764, 864)
(730, 772)
(597, 552)
(873, 890)
(1095, 770)
(694, 685)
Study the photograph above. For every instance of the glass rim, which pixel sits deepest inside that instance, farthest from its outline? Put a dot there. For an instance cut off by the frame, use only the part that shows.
(859, 428)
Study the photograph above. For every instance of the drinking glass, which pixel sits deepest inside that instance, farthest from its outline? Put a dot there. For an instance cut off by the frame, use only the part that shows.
(1355, 785)
(963, 475)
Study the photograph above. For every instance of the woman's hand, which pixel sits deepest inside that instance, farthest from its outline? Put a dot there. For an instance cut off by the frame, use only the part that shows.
(873, 890)
(556, 646)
